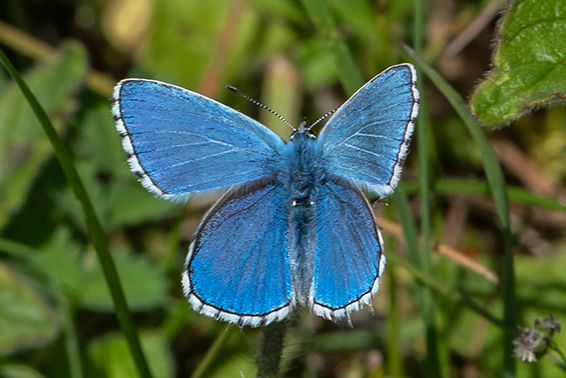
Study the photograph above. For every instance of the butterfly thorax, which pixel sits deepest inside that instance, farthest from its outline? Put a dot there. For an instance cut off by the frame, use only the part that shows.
(304, 173)
(303, 181)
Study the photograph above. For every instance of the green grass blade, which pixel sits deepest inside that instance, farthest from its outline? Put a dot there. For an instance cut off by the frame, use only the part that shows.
(350, 76)
(423, 294)
(71, 339)
(95, 232)
(443, 289)
(394, 357)
(498, 190)
(492, 167)
(516, 194)
(212, 352)
(423, 134)
(406, 219)
(16, 249)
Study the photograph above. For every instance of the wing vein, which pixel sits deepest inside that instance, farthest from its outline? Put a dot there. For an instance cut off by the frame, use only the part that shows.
(368, 152)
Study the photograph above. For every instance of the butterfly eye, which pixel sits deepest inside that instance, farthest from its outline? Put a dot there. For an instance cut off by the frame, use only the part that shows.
(302, 201)
(310, 134)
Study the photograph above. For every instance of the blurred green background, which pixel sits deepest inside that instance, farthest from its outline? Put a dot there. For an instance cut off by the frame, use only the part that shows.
(302, 58)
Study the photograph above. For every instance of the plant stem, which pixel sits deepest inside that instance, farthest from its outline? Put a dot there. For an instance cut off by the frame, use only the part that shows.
(71, 340)
(271, 350)
(395, 359)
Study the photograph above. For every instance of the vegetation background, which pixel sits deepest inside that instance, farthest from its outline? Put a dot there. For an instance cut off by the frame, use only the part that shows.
(475, 236)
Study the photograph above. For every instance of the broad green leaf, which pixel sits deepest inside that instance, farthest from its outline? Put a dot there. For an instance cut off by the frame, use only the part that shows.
(99, 142)
(129, 204)
(59, 259)
(112, 360)
(145, 284)
(23, 145)
(235, 366)
(529, 62)
(121, 201)
(19, 371)
(66, 202)
(26, 319)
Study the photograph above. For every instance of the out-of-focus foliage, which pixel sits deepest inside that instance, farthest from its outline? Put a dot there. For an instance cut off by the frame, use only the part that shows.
(23, 148)
(26, 319)
(112, 358)
(272, 51)
(529, 62)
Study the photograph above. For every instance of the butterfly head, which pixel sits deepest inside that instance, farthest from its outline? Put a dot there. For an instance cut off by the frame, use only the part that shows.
(304, 131)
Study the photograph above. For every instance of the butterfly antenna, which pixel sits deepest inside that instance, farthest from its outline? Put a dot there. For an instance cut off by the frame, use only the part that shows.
(321, 118)
(256, 102)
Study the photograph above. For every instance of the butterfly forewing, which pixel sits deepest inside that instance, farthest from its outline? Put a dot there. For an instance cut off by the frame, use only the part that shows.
(181, 142)
(367, 139)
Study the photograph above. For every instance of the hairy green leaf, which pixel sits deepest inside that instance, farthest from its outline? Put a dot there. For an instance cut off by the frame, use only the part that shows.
(529, 62)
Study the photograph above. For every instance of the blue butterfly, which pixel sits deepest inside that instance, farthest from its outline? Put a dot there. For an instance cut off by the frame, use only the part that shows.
(294, 228)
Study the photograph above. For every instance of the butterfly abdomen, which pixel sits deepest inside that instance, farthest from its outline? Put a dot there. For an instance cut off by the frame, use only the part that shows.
(303, 177)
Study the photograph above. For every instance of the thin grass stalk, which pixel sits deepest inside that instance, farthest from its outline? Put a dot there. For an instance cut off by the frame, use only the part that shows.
(442, 289)
(496, 182)
(423, 293)
(71, 339)
(15, 249)
(94, 229)
(517, 195)
(394, 357)
(423, 133)
(212, 353)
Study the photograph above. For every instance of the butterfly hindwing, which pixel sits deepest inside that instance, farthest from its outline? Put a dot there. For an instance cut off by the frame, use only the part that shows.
(181, 142)
(367, 139)
(238, 268)
(348, 259)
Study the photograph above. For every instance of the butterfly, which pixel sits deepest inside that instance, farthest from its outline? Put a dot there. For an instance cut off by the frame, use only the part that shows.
(294, 228)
